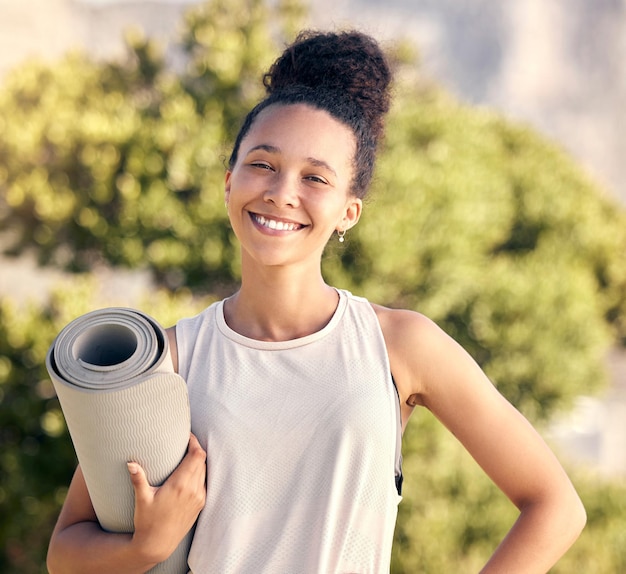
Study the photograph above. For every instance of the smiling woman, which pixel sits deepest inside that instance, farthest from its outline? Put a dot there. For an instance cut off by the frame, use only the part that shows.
(300, 391)
(292, 182)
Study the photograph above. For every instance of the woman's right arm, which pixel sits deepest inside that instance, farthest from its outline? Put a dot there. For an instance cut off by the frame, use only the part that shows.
(163, 516)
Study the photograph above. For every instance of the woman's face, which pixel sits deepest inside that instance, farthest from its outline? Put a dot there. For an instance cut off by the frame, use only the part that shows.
(290, 187)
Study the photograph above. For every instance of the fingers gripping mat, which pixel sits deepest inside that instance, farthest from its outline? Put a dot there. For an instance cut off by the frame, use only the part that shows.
(122, 401)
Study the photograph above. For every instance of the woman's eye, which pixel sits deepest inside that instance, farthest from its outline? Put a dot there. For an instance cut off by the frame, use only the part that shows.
(316, 179)
(261, 165)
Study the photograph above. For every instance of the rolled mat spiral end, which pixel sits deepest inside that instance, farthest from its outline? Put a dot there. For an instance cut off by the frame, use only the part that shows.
(122, 401)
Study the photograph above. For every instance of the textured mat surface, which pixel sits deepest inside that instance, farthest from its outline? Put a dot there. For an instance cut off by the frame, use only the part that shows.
(122, 401)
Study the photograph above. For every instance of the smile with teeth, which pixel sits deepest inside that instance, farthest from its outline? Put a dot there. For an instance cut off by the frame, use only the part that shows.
(274, 224)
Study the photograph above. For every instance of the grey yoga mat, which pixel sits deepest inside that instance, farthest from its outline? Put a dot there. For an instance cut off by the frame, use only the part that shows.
(122, 401)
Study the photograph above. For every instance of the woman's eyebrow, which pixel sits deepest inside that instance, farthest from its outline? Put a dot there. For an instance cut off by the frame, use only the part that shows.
(322, 164)
(264, 147)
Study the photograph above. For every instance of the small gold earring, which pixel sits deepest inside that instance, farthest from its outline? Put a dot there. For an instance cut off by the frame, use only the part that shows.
(341, 234)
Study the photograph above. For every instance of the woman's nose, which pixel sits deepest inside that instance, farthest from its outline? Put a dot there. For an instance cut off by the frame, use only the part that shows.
(282, 191)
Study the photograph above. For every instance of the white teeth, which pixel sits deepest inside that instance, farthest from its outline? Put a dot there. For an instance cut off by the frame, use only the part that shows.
(278, 225)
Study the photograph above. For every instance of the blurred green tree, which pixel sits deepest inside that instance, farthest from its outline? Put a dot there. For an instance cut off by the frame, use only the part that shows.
(483, 225)
(122, 163)
(35, 457)
(496, 234)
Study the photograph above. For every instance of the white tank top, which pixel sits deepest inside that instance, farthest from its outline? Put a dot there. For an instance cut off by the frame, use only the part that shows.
(301, 438)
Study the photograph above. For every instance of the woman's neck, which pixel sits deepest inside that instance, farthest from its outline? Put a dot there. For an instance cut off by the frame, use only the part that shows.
(280, 305)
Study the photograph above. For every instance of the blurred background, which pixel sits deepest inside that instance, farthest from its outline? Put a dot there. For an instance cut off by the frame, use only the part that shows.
(558, 65)
(500, 74)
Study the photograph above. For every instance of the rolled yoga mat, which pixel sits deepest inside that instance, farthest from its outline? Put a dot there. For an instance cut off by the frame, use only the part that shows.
(122, 401)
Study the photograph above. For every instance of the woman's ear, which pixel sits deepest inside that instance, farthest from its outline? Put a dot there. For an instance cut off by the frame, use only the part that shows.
(352, 213)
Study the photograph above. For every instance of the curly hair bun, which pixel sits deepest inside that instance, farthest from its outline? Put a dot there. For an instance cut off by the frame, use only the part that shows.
(347, 62)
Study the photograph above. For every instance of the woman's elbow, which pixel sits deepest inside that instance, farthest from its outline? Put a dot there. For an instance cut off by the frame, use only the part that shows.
(52, 559)
(578, 516)
(570, 516)
(56, 558)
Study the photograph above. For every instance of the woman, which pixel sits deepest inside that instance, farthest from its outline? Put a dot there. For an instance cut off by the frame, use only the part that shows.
(299, 391)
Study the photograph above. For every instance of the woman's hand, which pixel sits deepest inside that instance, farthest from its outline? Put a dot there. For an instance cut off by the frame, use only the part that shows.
(164, 514)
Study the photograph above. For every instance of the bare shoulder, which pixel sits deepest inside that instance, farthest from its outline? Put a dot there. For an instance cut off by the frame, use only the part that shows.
(426, 362)
(398, 324)
(415, 346)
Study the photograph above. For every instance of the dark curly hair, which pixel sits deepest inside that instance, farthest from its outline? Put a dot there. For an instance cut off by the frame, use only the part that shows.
(345, 74)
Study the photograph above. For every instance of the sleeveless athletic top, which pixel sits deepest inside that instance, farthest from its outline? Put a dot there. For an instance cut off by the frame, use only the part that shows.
(301, 439)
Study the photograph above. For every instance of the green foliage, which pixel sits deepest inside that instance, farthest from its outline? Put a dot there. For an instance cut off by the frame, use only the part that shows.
(226, 61)
(482, 225)
(35, 457)
(123, 163)
(112, 170)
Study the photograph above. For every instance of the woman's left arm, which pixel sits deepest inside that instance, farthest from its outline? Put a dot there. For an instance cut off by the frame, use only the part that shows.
(432, 370)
